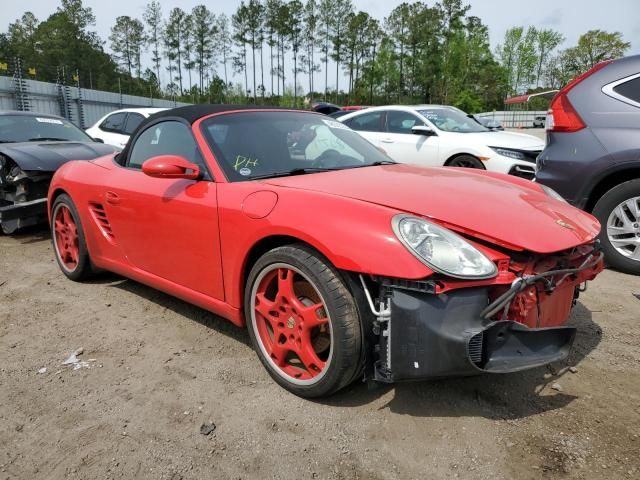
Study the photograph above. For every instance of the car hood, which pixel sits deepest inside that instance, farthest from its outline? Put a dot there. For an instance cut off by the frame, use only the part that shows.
(49, 156)
(520, 141)
(511, 213)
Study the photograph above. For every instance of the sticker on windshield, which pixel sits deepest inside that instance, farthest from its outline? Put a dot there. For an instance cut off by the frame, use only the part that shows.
(49, 120)
(245, 172)
(242, 161)
(334, 124)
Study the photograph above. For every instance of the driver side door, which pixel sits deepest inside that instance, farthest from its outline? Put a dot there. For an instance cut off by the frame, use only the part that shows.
(404, 146)
(167, 227)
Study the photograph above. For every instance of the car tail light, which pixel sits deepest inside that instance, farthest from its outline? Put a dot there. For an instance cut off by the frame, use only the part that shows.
(562, 117)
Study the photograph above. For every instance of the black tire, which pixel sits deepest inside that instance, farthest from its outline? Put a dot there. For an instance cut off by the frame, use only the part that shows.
(602, 211)
(83, 269)
(466, 161)
(346, 339)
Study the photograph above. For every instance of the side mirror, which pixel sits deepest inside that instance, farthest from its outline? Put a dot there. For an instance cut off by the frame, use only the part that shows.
(423, 130)
(98, 140)
(171, 166)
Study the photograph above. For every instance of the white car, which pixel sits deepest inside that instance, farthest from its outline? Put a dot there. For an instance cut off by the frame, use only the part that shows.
(539, 121)
(437, 135)
(116, 127)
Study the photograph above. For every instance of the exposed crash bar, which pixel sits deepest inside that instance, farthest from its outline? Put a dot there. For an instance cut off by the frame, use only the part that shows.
(520, 284)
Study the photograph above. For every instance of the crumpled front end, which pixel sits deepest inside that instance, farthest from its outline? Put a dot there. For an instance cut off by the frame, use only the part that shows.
(23, 196)
(440, 328)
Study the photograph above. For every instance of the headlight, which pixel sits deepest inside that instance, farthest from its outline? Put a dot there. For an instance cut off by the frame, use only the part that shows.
(552, 193)
(509, 153)
(442, 250)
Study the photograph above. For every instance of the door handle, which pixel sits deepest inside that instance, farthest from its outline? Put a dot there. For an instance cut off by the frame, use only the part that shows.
(386, 140)
(112, 198)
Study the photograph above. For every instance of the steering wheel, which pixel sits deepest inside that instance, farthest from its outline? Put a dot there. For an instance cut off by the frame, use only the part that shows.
(328, 159)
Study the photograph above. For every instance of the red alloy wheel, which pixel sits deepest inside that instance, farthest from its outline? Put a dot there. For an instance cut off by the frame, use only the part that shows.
(293, 326)
(66, 237)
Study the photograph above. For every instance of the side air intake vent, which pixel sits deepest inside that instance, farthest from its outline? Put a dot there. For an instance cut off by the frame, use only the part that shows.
(475, 348)
(100, 216)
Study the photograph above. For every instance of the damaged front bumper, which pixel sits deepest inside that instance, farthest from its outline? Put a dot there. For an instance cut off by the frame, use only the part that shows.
(429, 336)
(23, 196)
(23, 214)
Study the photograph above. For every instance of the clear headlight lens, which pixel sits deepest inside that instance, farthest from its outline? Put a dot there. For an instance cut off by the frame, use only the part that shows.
(505, 152)
(441, 249)
(552, 193)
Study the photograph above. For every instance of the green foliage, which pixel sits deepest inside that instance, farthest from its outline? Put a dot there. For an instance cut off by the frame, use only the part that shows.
(468, 101)
(153, 19)
(127, 39)
(546, 41)
(204, 28)
(529, 59)
(342, 11)
(595, 46)
(174, 41)
(223, 42)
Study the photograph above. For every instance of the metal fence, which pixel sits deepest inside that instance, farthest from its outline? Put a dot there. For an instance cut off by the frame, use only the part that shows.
(515, 118)
(82, 106)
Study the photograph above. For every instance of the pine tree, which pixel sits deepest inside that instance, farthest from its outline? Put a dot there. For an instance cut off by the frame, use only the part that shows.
(153, 18)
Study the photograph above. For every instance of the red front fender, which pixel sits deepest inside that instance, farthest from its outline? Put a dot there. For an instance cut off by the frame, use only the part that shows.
(352, 234)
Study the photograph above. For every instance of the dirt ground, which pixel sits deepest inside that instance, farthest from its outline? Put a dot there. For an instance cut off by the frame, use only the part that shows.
(155, 369)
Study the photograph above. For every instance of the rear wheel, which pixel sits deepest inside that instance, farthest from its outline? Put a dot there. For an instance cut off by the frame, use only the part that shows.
(467, 161)
(303, 321)
(68, 239)
(619, 214)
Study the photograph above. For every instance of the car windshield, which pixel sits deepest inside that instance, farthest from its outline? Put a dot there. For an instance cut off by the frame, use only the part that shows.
(252, 145)
(32, 128)
(449, 120)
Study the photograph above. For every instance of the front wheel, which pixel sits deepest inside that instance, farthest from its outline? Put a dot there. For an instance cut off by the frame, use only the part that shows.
(303, 321)
(466, 161)
(619, 214)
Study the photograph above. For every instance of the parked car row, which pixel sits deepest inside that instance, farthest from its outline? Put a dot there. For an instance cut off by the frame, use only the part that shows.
(334, 241)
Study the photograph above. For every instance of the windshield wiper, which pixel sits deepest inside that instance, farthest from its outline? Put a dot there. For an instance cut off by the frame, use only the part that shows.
(374, 164)
(295, 171)
(8, 141)
(48, 139)
(302, 171)
(305, 170)
(378, 163)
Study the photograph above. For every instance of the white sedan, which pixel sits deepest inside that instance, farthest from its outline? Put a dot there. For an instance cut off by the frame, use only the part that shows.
(437, 135)
(116, 127)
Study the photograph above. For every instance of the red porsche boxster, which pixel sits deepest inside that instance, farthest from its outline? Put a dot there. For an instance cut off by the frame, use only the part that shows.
(341, 263)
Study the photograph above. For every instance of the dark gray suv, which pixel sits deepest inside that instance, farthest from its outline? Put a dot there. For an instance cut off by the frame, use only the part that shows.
(592, 156)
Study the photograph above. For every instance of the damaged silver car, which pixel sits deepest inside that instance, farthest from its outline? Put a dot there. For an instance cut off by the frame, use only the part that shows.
(32, 147)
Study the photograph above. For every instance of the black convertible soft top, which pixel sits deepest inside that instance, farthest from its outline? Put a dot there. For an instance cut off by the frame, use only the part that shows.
(191, 113)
